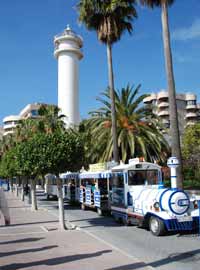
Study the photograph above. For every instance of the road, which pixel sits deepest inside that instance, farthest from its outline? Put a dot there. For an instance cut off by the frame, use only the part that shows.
(171, 252)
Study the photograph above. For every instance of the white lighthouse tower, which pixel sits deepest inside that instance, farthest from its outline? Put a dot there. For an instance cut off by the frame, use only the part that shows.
(68, 52)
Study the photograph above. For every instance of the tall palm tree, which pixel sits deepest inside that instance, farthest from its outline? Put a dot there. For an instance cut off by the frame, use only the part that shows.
(110, 19)
(137, 128)
(174, 129)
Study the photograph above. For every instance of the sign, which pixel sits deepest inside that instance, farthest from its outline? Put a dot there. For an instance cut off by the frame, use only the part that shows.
(97, 200)
(97, 167)
(81, 195)
(88, 195)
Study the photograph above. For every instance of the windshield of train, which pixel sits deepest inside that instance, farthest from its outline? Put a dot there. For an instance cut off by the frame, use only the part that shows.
(142, 177)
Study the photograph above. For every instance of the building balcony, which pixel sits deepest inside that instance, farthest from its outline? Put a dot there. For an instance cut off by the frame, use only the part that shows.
(191, 115)
(11, 118)
(150, 98)
(191, 107)
(163, 113)
(162, 95)
(8, 132)
(9, 126)
(190, 96)
(147, 100)
(191, 123)
(163, 105)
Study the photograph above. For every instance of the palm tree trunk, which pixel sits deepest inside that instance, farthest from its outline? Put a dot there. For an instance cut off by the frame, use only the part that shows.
(112, 97)
(174, 128)
(61, 204)
(33, 195)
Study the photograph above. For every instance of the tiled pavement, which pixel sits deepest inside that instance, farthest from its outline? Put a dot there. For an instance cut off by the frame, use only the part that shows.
(34, 241)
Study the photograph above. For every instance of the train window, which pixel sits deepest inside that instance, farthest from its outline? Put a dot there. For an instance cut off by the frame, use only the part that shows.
(102, 184)
(117, 180)
(142, 177)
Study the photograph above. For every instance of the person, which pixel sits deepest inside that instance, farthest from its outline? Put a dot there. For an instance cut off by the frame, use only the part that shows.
(26, 189)
(4, 207)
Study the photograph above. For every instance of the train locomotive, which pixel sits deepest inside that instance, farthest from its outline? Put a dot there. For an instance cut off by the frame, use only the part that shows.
(139, 197)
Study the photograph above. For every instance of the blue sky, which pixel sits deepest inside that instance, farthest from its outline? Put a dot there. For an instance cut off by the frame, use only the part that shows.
(28, 69)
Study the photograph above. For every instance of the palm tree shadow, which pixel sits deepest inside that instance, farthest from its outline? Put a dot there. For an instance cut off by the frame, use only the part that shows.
(54, 261)
(190, 255)
(132, 266)
(185, 256)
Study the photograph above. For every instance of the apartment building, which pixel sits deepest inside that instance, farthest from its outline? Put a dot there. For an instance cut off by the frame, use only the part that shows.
(1, 132)
(10, 122)
(187, 108)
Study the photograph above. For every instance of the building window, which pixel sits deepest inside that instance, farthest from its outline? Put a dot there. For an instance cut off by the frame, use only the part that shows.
(34, 112)
(191, 102)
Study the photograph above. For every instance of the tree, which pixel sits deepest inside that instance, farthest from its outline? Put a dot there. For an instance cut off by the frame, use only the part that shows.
(64, 152)
(191, 153)
(8, 166)
(174, 129)
(137, 128)
(50, 153)
(110, 19)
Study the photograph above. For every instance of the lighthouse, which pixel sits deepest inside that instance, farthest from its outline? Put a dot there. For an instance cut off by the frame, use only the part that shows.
(68, 53)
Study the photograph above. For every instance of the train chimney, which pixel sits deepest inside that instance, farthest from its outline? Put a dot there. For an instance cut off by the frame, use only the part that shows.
(173, 163)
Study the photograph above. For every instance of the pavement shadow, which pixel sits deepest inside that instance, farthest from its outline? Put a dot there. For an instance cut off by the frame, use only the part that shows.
(132, 266)
(99, 222)
(54, 261)
(18, 241)
(184, 257)
(24, 206)
(23, 251)
(32, 223)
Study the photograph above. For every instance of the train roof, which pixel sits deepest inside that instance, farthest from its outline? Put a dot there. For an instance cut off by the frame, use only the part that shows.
(95, 175)
(69, 175)
(136, 165)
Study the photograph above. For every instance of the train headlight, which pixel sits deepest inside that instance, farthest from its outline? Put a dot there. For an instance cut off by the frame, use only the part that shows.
(195, 203)
(156, 206)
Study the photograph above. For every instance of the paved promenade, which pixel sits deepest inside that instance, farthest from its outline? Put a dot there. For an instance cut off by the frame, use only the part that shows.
(34, 241)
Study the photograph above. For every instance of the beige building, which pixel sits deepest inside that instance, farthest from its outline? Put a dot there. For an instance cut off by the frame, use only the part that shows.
(10, 122)
(187, 108)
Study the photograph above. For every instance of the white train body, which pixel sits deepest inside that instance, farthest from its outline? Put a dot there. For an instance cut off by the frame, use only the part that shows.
(143, 200)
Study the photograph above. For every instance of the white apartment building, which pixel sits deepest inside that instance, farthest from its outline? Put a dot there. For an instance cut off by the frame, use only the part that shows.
(187, 108)
(10, 122)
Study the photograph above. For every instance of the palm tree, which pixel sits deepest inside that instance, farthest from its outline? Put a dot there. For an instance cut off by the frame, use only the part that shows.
(137, 128)
(50, 119)
(174, 129)
(25, 129)
(110, 19)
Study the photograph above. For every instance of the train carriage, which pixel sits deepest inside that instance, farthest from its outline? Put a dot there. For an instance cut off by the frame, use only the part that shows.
(71, 186)
(94, 190)
(139, 197)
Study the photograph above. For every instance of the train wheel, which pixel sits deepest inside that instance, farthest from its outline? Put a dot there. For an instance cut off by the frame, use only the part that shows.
(156, 226)
(126, 222)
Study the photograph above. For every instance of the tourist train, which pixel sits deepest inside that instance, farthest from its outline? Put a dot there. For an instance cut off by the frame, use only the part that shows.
(134, 193)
